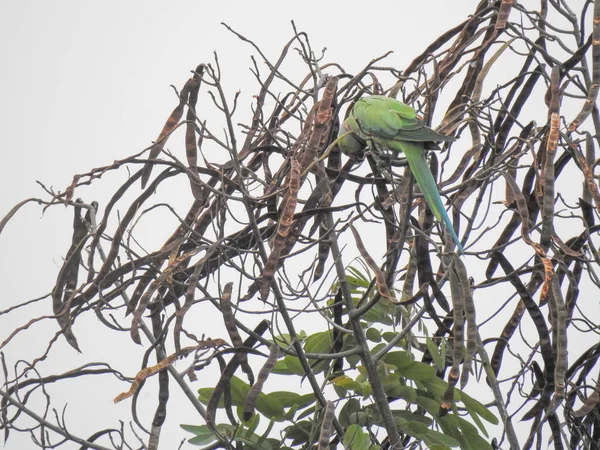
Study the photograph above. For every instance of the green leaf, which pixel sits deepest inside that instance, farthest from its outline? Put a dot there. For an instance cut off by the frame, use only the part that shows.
(346, 383)
(293, 365)
(389, 378)
(472, 435)
(283, 340)
(361, 418)
(239, 390)
(289, 415)
(467, 427)
(478, 422)
(474, 406)
(200, 440)
(356, 439)
(476, 442)
(350, 343)
(407, 416)
(308, 412)
(204, 435)
(362, 370)
(365, 389)
(356, 284)
(281, 368)
(252, 441)
(252, 424)
(435, 439)
(300, 432)
(390, 383)
(400, 359)
(436, 386)
(407, 393)
(429, 405)
(204, 395)
(415, 429)
(299, 402)
(351, 407)
(373, 335)
(340, 391)
(318, 342)
(286, 398)
(382, 312)
(443, 349)
(418, 371)
(267, 404)
(353, 361)
(270, 406)
(388, 336)
(435, 354)
(304, 400)
(276, 443)
(377, 348)
(450, 427)
(362, 279)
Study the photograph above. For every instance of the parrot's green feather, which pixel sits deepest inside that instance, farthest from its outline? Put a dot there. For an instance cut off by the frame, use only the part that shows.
(392, 125)
(385, 117)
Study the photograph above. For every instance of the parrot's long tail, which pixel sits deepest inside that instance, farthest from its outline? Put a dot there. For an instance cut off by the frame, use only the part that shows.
(420, 170)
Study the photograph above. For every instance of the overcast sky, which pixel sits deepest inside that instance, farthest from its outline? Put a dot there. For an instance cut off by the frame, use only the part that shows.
(85, 83)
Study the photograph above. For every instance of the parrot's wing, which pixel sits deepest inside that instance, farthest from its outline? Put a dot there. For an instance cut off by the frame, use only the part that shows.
(383, 117)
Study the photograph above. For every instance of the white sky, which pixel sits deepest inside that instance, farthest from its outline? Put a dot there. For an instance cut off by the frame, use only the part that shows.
(85, 83)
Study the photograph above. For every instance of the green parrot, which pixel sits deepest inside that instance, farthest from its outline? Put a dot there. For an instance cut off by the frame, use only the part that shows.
(385, 123)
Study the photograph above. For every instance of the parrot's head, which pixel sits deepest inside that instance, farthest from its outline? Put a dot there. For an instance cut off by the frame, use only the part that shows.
(349, 142)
